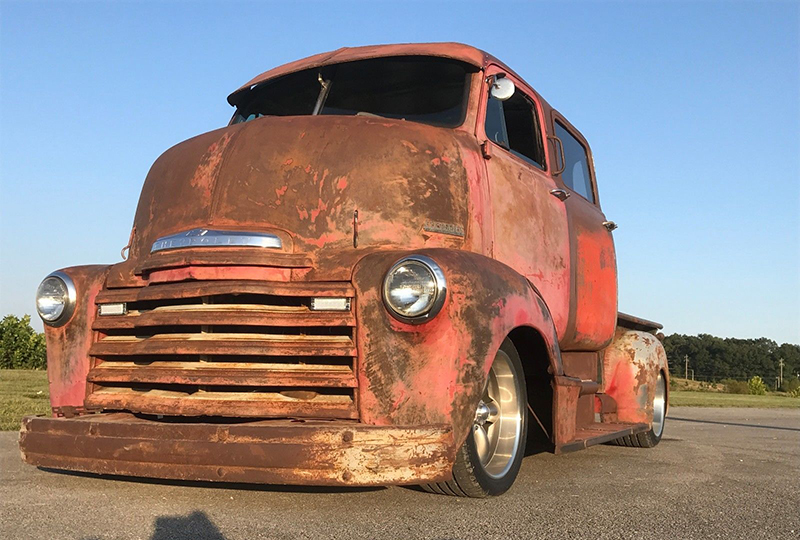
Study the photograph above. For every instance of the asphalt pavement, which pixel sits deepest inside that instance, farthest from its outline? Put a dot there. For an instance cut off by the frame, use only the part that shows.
(718, 473)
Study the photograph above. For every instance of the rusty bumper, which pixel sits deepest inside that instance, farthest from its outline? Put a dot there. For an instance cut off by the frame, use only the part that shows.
(262, 452)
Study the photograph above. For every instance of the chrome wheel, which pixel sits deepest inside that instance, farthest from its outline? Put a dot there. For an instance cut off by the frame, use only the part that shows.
(497, 428)
(489, 460)
(659, 406)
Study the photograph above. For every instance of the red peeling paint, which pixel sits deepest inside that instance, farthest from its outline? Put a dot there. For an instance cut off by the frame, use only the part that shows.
(321, 207)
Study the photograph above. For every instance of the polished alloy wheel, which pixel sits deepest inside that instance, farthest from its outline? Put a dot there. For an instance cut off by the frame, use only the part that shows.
(498, 419)
(488, 462)
(659, 406)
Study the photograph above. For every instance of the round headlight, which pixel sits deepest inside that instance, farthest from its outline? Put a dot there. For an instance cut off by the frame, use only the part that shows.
(414, 289)
(55, 299)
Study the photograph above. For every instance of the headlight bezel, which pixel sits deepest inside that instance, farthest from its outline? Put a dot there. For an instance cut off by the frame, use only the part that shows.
(439, 280)
(69, 306)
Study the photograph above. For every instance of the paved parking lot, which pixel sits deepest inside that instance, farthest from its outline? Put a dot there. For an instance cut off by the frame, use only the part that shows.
(718, 473)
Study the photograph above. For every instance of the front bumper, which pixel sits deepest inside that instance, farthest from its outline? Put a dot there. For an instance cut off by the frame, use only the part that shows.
(261, 452)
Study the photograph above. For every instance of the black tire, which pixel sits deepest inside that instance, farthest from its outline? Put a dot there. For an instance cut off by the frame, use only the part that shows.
(648, 439)
(470, 477)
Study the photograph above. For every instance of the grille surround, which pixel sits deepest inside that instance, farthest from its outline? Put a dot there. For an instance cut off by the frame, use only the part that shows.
(228, 348)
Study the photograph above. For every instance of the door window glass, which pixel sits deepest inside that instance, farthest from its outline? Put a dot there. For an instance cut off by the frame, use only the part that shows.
(514, 125)
(576, 167)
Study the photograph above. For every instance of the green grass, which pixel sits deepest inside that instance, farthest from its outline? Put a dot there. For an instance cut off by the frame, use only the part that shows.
(680, 398)
(22, 392)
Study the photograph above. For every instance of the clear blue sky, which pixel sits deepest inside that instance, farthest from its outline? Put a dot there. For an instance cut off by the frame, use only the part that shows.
(692, 110)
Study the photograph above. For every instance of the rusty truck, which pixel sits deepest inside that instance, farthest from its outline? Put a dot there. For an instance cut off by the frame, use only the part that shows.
(390, 267)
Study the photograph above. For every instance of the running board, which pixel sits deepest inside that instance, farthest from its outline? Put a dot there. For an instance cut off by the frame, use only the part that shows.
(598, 434)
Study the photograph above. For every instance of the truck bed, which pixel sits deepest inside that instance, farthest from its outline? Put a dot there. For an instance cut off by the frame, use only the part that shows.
(636, 323)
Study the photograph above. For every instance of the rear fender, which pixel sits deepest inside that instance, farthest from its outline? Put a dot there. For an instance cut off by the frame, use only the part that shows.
(435, 372)
(631, 365)
(68, 345)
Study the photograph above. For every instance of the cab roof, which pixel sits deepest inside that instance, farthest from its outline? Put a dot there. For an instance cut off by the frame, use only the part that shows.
(455, 51)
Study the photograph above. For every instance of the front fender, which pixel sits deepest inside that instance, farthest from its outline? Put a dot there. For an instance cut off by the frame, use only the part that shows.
(631, 365)
(68, 345)
(434, 373)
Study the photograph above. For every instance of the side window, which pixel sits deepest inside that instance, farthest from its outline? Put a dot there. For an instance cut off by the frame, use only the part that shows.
(514, 125)
(576, 169)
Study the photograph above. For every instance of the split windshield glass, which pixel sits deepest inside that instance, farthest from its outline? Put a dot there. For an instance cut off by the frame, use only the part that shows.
(418, 89)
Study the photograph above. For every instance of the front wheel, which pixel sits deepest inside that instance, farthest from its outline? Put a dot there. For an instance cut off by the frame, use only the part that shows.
(489, 460)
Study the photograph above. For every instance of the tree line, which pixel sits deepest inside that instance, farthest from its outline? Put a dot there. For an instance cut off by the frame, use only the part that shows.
(710, 358)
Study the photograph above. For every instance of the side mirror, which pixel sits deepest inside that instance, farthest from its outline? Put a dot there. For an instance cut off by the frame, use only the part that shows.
(502, 88)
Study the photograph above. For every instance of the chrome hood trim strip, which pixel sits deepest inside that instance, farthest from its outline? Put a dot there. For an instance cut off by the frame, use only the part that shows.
(214, 238)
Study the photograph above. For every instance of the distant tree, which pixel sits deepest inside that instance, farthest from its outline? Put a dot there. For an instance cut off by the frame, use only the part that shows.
(733, 386)
(21, 347)
(790, 384)
(757, 386)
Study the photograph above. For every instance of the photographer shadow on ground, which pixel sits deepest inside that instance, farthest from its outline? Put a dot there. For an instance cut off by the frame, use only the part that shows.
(195, 526)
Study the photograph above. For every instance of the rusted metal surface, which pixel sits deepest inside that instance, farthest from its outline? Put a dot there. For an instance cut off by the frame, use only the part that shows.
(228, 331)
(233, 314)
(530, 227)
(276, 452)
(631, 365)
(194, 289)
(220, 344)
(599, 434)
(435, 373)
(322, 170)
(225, 374)
(637, 323)
(68, 346)
(252, 403)
(593, 297)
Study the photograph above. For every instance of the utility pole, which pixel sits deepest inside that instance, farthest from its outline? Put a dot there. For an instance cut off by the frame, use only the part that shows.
(686, 372)
(780, 363)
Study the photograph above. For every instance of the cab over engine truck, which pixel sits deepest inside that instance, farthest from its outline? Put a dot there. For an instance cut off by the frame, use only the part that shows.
(390, 267)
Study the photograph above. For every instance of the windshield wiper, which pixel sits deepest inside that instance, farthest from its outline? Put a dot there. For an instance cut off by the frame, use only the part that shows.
(323, 94)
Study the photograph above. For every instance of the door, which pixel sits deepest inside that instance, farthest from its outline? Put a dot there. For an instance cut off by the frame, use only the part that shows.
(593, 316)
(531, 232)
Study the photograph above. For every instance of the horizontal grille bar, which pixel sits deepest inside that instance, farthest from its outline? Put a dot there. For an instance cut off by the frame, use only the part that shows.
(239, 344)
(244, 256)
(231, 314)
(240, 404)
(194, 289)
(225, 373)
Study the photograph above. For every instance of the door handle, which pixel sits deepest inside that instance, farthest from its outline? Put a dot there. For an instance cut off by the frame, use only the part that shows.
(610, 225)
(560, 194)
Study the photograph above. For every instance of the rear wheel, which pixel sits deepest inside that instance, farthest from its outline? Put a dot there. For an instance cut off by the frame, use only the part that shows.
(649, 439)
(489, 460)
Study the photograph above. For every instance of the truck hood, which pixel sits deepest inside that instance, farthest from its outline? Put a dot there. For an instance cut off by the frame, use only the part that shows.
(303, 179)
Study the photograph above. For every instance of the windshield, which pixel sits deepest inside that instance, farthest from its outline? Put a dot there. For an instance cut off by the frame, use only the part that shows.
(418, 89)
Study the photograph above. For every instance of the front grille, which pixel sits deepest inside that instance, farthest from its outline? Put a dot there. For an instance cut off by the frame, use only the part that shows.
(225, 348)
